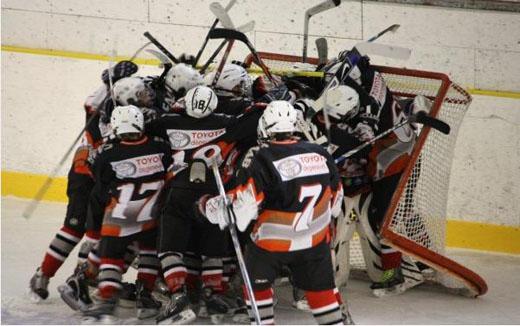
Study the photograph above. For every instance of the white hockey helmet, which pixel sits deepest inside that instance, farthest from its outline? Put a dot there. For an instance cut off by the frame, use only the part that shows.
(133, 91)
(127, 119)
(200, 101)
(233, 81)
(278, 117)
(181, 78)
(341, 102)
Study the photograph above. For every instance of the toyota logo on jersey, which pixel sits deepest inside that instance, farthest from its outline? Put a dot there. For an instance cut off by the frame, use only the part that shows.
(178, 139)
(124, 169)
(289, 168)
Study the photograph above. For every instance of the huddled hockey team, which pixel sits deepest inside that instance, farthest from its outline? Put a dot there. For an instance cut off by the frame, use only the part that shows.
(143, 192)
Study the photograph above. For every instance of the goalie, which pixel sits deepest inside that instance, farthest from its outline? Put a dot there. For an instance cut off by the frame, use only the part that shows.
(360, 110)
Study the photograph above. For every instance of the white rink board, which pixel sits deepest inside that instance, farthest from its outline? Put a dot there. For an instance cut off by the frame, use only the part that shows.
(418, 306)
(476, 47)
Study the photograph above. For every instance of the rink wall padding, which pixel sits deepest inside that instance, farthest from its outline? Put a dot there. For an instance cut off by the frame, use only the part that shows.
(459, 234)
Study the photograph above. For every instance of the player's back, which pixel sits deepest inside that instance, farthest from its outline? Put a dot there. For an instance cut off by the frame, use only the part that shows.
(298, 180)
(133, 173)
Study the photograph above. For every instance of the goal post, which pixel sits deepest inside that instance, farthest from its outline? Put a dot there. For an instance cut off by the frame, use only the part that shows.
(415, 222)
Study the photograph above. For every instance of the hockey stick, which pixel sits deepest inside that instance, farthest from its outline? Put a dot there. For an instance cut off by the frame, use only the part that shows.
(197, 57)
(323, 50)
(421, 117)
(161, 47)
(132, 58)
(219, 33)
(389, 51)
(392, 29)
(236, 244)
(326, 5)
(247, 27)
(29, 210)
(217, 9)
(166, 65)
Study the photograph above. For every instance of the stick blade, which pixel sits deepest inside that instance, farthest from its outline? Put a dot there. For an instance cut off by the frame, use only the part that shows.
(394, 28)
(230, 34)
(247, 27)
(384, 50)
(323, 50)
(437, 124)
(221, 14)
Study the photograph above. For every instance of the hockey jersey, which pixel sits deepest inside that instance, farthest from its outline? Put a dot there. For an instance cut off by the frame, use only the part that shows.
(211, 138)
(296, 184)
(129, 177)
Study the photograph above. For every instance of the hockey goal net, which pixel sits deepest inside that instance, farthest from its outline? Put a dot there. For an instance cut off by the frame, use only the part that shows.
(415, 222)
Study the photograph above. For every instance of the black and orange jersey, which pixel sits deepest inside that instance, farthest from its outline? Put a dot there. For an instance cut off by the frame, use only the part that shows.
(295, 184)
(128, 179)
(214, 136)
(95, 131)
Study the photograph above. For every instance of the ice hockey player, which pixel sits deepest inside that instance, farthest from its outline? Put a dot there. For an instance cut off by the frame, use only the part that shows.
(289, 192)
(179, 79)
(126, 91)
(233, 89)
(79, 186)
(195, 135)
(130, 173)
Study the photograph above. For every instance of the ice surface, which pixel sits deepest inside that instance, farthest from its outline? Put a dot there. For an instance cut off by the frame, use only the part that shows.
(25, 241)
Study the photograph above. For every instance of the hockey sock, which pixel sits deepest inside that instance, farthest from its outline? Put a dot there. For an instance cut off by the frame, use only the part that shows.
(110, 275)
(229, 267)
(130, 254)
(212, 273)
(148, 267)
(338, 296)
(325, 307)
(91, 238)
(264, 301)
(93, 262)
(390, 258)
(193, 264)
(59, 249)
(174, 270)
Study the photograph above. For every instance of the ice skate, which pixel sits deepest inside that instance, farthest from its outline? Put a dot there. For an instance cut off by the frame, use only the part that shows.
(177, 311)
(299, 299)
(101, 312)
(392, 283)
(146, 305)
(127, 296)
(38, 286)
(75, 292)
(217, 305)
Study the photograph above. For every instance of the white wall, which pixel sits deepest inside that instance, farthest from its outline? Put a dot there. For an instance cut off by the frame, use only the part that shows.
(42, 96)
(479, 49)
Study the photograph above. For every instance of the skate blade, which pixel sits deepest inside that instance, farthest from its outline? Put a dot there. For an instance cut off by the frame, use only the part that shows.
(390, 292)
(301, 305)
(67, 295)
(241, 318)
(127, 304)
(145, 313)
(103, 320)
(33, 296)
(183, 318)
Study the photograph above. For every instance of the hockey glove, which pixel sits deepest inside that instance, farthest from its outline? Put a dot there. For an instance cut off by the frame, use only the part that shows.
(363, 131)
(215, 210)
(187, 59)
(122, 69)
